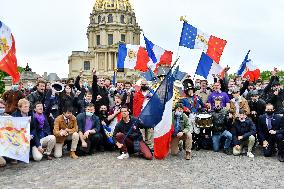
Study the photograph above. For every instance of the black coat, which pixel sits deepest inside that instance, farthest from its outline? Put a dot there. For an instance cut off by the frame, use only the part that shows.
(277, 124)
(102, 91)
(40, 133)
(81, 122)
(245, 129)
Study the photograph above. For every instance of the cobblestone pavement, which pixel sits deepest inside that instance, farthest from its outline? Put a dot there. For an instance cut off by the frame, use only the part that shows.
(102, 170)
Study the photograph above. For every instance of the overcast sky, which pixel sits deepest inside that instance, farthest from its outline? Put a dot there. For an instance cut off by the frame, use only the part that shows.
(47, 31)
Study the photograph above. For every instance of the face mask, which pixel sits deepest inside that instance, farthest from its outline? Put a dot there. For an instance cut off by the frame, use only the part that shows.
(144, 88)
(217, 109)
(2, 111)
(71, 85)
(269, 113)
(89, 114)
(85, 84)
(178, 113)
(30, 87)
(242, 120)
(103, 112)
(15, 87)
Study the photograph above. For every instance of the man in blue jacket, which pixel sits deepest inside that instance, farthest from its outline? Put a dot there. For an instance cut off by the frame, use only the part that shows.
(243, 132)
(89, 131)
(44, 140)
(271, 132)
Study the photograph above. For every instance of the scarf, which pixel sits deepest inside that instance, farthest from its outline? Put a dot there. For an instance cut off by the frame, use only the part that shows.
(40, 118)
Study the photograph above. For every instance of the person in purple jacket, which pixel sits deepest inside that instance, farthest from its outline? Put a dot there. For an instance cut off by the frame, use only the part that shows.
(217, 93)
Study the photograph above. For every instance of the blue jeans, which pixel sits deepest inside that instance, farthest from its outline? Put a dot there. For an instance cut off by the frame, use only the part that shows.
(217, 137)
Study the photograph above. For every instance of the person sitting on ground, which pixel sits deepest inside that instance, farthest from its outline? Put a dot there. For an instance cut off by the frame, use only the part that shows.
(66, 128)
(243, 132)
(181, 132)
(221, 127)
(89, 131)
(271, 132)
(24, 111)
(128, 136)
(44, 140)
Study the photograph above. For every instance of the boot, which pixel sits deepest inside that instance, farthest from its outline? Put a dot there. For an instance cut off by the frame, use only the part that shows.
(187, 156)
(73, 155)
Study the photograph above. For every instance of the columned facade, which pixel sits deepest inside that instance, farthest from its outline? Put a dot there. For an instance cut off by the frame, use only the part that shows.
(111, 22)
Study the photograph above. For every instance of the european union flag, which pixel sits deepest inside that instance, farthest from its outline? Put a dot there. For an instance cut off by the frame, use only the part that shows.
(188, 36)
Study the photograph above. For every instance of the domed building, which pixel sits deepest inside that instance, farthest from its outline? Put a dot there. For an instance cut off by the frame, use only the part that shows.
(111, 22)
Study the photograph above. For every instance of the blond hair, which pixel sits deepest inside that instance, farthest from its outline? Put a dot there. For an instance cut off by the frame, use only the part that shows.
(23, 102)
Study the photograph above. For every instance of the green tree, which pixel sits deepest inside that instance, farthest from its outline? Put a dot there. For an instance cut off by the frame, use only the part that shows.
(3, 75)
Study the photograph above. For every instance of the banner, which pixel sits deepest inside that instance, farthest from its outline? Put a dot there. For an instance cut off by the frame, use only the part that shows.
(15, 137)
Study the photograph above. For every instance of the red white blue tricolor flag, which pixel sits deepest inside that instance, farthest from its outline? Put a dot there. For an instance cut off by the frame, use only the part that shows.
(248, 69)
(157, 114)
(8, 60)
(193, 38)
(132, 57)
(158, 55)
(207, 68)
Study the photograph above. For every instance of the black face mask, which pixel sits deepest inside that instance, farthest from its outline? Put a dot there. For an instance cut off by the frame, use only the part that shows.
(71, 86)
(217, 109)
(103, 112)
(269, 113)
(144, 88)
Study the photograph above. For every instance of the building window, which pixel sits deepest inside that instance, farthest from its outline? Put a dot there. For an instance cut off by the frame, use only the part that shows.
(98, 39)
(110, 39)
(122, 19)
(99, 19)
(130, 20)
(123, 37)
(87, 65)
(110, 18)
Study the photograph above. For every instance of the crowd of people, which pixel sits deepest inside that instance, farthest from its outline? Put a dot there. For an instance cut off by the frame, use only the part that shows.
(88, 117)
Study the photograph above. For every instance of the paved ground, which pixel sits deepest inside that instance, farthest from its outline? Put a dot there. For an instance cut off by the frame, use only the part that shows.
(206, 170)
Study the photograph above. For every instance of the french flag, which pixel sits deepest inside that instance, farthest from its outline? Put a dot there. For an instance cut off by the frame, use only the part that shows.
(207, 68)
(8, 59)
(132, 57)
(194, 38)
(158, 55)
(157, 114)
(248, 69)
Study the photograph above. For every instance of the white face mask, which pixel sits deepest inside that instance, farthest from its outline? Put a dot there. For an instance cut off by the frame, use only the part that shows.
(178, 113)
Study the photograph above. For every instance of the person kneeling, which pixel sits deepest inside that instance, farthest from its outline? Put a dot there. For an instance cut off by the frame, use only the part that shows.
(89, 131)
(66, 128)
(271, 132)
(243, 134)
(181, 132)
(44, 141)
(128, 136)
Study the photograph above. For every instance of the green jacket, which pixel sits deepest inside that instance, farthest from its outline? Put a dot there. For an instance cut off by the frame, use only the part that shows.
(184, 123)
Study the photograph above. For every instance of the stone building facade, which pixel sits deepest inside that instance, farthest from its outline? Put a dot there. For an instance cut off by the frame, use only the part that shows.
(111, 22)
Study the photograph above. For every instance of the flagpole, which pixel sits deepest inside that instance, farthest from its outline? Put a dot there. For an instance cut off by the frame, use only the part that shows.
(123, 141)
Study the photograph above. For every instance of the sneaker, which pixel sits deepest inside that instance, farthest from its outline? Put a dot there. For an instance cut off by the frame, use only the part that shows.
(187, 155)
(250, 155)
(281, 158)
(227, 151)
(123, 156)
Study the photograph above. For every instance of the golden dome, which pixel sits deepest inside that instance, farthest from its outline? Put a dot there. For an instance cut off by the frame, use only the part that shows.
(113, 5)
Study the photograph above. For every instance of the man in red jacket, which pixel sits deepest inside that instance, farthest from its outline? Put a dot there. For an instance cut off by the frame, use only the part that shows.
(140, 100)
